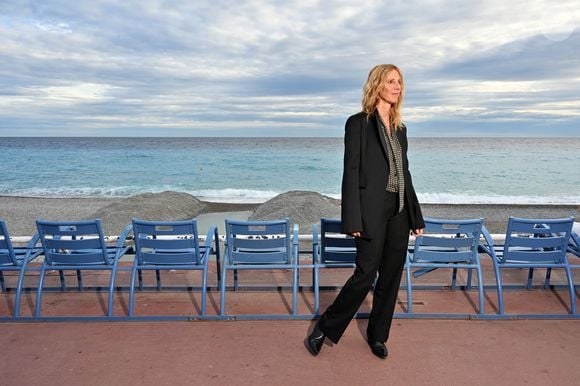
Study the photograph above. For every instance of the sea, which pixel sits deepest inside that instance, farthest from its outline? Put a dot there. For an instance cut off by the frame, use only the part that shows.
(253, 170)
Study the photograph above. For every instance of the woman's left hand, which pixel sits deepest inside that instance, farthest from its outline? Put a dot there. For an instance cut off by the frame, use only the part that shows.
(417, 232)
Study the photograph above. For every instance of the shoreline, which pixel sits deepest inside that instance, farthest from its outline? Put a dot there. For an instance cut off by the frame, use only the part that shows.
(20, 213)
(218, 204)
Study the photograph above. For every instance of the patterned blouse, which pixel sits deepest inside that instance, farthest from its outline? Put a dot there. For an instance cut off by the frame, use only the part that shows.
(396, 181)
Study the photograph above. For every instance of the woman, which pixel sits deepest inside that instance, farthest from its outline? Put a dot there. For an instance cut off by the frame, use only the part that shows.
(379, 208)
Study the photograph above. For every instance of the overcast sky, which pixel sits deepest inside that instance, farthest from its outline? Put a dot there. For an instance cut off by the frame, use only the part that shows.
(285, 68)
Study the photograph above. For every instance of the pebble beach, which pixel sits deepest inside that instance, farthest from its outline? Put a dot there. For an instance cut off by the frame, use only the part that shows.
(20, 213)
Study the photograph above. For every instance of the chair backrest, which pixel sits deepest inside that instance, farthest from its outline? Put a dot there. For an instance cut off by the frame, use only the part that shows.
(7, 255)
(258, 242)
(448, 241)
(574, 245)
(73, 242)
(575, 238)
(537, 240)
(335, 247)
(166, 242)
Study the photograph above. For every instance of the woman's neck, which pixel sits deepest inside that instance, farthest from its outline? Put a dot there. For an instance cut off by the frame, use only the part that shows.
(384, 110)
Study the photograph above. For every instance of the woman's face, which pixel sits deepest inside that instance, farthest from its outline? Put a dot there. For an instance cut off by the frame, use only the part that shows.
(392, 88)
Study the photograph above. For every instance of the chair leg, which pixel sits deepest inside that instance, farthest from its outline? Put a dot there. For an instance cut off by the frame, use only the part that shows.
(80, 279)
(62, 280)
(158, 278)
(19, 290)
(298, 277)
(2, 282)
(223, 292)
(112, 291)
(409, 290)
(571, 289)
(530, 278)
(295, 291)
(468, 287)
(132, 288)
(316, 288)
(235, 279)
(499, 289)
(454, 279)
(481, 294)
(140, 280)
(203, 290)
(39, 292)
(548, 276)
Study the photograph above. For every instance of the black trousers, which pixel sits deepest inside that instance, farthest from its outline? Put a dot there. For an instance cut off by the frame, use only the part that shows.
(385, 255)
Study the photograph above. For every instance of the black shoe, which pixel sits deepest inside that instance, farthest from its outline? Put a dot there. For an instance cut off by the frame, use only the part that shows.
(315, 340)
(379, 349)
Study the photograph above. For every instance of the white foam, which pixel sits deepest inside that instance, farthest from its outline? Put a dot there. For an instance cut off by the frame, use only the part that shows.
(454, 198)
(119, 191)
(258, 196)
(234, 195)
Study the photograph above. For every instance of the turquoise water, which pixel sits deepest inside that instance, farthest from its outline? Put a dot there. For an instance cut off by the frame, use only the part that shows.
(445, 170)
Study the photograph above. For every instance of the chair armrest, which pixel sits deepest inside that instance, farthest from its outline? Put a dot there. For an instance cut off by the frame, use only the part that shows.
(295, 244)
(120, 244)
(295, 240)
(315, 244)
(33, 240)
(31, 252)
(212, 234)
(488, 247)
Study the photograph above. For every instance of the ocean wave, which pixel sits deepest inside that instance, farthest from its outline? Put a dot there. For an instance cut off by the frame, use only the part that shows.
(213, 195)
(234, 195)
(458, 198)
(119, 191)
(259, 196)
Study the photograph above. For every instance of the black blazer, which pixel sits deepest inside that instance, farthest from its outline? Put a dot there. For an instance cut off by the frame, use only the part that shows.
(366, 171)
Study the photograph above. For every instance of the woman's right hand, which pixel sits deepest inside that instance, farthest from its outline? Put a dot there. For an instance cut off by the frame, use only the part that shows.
(356, 234)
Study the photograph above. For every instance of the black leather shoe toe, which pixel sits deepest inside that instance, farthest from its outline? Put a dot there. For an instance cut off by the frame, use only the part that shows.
(314, 341)
(379, 349)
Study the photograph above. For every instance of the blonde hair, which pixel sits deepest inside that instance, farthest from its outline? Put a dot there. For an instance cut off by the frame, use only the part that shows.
(376, 80)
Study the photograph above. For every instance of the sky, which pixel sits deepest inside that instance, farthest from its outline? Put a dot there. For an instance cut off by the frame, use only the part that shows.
(285, 68)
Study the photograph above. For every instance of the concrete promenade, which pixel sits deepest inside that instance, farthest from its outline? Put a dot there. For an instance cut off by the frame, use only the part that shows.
(262, 352)
(422, 352)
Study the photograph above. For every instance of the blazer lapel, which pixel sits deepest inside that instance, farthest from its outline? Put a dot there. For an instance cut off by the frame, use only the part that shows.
(401, 137)
(382, 135)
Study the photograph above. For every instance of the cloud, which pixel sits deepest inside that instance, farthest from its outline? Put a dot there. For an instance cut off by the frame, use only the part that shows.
(283, 67)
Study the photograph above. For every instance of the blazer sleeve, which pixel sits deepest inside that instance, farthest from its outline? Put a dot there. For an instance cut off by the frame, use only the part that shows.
(351, 216)
(415, 214)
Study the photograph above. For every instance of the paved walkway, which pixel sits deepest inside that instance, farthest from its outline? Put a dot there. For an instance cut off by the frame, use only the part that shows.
(422, 352)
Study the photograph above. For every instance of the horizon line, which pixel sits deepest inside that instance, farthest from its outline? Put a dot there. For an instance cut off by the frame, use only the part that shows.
(280, 136)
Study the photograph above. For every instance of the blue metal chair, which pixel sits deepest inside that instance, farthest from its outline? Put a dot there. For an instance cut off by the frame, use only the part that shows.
(170, 245)
(15, 259)
(451, 244)
(260, 245)
(78, 246)
(335, 250)
(532, 243)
